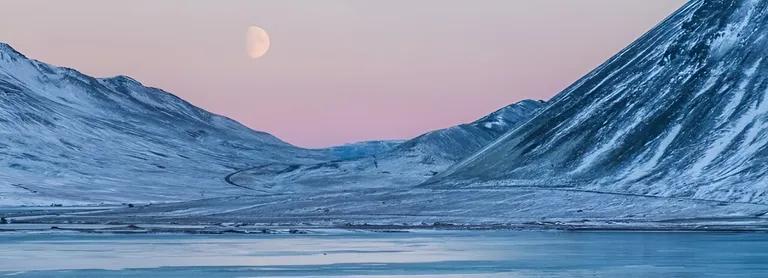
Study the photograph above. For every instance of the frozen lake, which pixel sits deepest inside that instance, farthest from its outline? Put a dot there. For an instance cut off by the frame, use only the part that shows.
(372, 254)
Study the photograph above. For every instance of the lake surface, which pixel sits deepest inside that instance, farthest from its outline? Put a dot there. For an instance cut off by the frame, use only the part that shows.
(372, 254)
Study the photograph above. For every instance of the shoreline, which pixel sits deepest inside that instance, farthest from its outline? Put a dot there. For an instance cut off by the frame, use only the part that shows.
(256, 229)
(118, 220)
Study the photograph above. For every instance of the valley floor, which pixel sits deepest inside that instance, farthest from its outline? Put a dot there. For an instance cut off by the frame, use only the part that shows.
(379, 209)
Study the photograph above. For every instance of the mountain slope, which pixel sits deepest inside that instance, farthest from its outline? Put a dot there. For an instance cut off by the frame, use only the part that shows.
(67, 137)
(363, 149)
(680, 112)
(455, 143)
(403, 165)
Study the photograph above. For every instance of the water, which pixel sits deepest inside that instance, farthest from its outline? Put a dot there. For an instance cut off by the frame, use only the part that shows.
(369, 254)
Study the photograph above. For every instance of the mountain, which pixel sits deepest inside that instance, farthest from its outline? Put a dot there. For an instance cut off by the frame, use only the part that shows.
(455, 143)
(681, 112)
(66, 137)
(387, 164)
(363, 149)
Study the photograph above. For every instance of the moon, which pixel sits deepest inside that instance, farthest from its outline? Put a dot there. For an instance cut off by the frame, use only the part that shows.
(257, 42)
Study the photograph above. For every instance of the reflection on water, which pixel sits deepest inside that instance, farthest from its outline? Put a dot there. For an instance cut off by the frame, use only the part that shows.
(367, 254)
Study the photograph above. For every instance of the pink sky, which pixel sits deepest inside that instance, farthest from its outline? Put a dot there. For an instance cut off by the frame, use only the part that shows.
(337, 71)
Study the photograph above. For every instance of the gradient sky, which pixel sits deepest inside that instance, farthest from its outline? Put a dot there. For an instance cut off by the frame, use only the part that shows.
(338, 71)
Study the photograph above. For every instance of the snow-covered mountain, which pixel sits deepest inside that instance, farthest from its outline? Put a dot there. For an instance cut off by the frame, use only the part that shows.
(68, 137)
(363, 149)
(384, 165)
(73, 139)
(681, 112)
(456, 143)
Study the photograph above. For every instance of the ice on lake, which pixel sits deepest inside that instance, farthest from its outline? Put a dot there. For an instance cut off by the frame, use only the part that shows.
(372, 254)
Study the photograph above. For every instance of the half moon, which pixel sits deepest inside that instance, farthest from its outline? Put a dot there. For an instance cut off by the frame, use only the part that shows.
(257, 42)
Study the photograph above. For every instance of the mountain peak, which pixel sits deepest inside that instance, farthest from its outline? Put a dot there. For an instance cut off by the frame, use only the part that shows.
(123, 79)
(9, 50)
(509, 114)
(5, 46)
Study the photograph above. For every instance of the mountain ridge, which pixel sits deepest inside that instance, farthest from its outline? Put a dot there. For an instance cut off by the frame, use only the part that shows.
(399, 165)
(66, 133)
(678, 113)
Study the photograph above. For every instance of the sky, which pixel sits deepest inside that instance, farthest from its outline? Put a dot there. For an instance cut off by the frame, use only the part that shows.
(337, 71)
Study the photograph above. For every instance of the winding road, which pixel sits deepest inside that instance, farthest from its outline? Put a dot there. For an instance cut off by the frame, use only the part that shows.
(288, 168)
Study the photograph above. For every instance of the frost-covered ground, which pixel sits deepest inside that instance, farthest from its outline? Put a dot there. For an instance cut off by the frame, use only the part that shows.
(528, 208)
